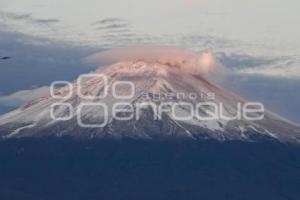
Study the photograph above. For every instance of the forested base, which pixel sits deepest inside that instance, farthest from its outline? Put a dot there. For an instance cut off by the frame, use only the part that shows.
(66, 169)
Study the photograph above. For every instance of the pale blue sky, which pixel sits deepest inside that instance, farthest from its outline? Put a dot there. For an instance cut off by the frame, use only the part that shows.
(270, 21)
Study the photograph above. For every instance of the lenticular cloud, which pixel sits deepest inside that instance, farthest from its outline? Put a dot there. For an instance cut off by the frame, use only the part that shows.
(191, 62)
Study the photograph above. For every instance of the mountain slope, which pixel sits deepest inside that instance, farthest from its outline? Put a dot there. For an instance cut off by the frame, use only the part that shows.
(155, 84)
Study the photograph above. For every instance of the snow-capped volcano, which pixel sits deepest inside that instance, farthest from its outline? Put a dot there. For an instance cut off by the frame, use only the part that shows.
(144, 108)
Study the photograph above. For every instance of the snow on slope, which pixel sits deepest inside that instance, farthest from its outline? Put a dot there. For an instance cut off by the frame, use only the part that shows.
(149, 78)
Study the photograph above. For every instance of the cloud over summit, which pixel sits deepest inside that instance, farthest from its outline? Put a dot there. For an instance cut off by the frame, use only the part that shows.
(189, 61)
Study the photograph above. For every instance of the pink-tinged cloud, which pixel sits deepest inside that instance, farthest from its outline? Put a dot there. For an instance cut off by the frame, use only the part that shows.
(204, 62)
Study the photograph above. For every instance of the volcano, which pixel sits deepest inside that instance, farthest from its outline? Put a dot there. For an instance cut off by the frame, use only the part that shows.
(68, 112)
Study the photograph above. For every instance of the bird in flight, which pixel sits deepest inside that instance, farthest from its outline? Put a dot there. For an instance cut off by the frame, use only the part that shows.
(5, 58)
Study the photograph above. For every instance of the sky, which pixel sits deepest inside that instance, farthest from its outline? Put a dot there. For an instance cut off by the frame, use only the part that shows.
(258, 40)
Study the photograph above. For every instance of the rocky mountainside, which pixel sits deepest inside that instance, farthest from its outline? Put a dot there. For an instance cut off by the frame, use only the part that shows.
(144, 100)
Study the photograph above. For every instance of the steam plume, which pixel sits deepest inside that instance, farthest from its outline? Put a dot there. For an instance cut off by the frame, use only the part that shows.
(189, 61)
